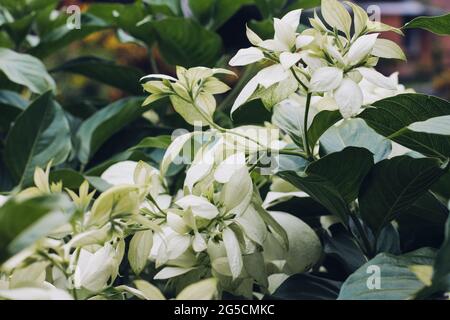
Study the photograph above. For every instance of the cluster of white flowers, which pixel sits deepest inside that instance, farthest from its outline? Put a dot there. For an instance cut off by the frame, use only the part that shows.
(333, 62)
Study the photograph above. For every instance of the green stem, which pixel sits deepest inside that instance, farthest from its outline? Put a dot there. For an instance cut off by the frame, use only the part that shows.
(305, 127)
(366, 243)
(298, 80)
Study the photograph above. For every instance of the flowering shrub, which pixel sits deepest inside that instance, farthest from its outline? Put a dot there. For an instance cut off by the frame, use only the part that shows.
(368, 154)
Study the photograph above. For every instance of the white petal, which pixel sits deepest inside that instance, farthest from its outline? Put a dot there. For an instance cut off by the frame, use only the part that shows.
(200, 206)
(173, 150)
(170, 272)
(334, 53)
(199, 243)
(303, 41)
(274, 45)
(120, 173)
(158, 76)
(325, 79)
(336, 15)
(246, 56)
(288, 59)
(284, 33)
(234, 255)
(201, 166)
(292, 18)
(271, 75)
(361, 48)
(360, 17)
(312, 61)
(237, 192)
(349, 98)
(229, 166)
(245, 94)
(387, 49)
(252, 36)
(377, 78)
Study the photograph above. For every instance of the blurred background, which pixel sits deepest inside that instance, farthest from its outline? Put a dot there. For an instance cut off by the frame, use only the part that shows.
(427, 69)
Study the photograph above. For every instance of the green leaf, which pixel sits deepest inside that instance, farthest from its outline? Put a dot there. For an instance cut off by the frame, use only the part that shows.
(214, 13)
(24, 222)
(393, 185)
(18, 29)
(25, 70)
(397, 281)
(321, 122)
(39, 135)
(306, 286)
(70, 179)
(355, 133)
(423, 223)
(390, 117)
(167, 7)
(303, 4)
(184, 42)
(131, 18)
(62, 36)
(99, 127)
(340, 245)
(334, 180)
(160, 142)
(441, 275)
(122, 77)
(437, 24)
(270, 8)
(436, 125)
(11, 105)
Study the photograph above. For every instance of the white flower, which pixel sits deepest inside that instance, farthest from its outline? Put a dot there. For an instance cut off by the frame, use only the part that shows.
(372, 92)
(286, 39)
(285, 33)
(360, 49)
(247, 56)
(120, 173)
(349, 98)
(325, 79)
(199, 206)
(93, 270)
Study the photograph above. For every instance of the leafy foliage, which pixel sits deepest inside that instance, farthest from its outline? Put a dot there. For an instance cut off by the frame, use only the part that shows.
(297, 196)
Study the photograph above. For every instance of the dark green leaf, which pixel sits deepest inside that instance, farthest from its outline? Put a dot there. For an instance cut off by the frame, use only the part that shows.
(25, 70)
(422, 225)
(62, 36)
(161, 142)
(24, 222)
(334, 180)
(270, 8)
(341, 246)
(307, 287)
(214, 13)
(355, 133)
(186, 43)
(392, 116)
(438, 24)
(393, 185)
(397, 282)
(104, 123)
(11, 105)
(40, 134)
(127, 17)
(70, 179)
(122, 77)
(322, 121)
